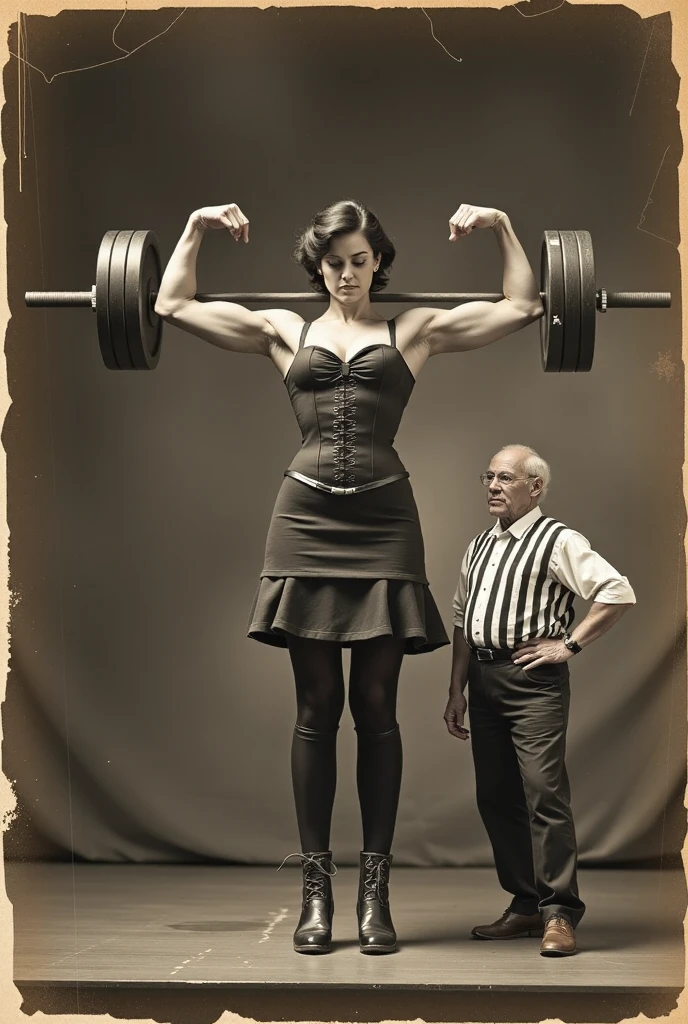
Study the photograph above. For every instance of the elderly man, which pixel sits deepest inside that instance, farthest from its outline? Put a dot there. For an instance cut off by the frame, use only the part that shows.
(513, 612)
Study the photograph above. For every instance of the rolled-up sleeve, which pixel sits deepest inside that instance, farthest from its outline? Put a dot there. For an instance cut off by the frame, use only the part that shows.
(459, 600)
(587, 574)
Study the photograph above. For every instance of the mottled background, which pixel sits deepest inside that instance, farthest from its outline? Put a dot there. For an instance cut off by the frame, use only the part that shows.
(139, 722)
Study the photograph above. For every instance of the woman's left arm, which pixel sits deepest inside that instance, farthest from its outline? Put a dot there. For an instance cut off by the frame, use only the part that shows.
(474, 324)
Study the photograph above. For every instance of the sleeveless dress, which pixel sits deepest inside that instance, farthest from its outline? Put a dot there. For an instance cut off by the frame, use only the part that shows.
(345, 567)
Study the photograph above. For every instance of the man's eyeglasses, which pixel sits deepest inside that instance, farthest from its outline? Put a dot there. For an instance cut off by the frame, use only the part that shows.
(505, 479)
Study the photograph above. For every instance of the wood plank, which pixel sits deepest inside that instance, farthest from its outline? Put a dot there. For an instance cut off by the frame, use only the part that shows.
(177, 925)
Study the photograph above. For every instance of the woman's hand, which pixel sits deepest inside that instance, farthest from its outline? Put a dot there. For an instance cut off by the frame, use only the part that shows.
(468, 217)
(228, 216)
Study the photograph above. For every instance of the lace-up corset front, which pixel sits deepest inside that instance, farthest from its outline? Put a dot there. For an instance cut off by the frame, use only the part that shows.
(348, 413)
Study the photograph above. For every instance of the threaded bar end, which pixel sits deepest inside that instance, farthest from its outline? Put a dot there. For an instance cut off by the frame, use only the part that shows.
(631, 300)
(57, 299)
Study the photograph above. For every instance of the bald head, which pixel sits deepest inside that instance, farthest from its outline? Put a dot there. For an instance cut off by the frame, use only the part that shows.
(529, 463)
(518, 479)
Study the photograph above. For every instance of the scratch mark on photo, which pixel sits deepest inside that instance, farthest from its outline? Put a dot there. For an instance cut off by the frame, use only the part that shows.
(642, 68)
(458, 60)
(102, 64)
(539, 14)
(649, 202)
(114, 41)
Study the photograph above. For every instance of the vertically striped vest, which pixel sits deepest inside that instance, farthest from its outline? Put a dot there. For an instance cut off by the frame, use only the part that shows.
(523, 602)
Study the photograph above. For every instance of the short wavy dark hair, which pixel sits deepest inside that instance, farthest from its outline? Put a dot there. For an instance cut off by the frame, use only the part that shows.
(343, 218)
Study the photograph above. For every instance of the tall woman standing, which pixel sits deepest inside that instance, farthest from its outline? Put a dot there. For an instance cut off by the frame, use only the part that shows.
(344, 560)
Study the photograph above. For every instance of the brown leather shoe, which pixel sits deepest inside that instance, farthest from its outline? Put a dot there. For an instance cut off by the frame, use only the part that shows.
(559, 938)
(510, 926)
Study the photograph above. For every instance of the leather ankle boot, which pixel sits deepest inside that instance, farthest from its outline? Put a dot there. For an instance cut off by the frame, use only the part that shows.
(375, 929)
(314, 931)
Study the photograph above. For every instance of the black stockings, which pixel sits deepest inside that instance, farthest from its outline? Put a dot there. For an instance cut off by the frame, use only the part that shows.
(319, 702)
(375, 666)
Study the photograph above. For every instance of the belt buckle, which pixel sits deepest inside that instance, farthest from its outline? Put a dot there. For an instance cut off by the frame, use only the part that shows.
(343, 490)
(484, 654)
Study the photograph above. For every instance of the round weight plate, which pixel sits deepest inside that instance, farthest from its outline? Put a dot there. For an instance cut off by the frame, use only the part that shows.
(588, 301)
(552, 287)
(118, 325)
(103, 300)
(572, 299)
(141, 281)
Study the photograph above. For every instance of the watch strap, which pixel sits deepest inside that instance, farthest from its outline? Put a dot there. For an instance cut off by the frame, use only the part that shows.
(571, 644)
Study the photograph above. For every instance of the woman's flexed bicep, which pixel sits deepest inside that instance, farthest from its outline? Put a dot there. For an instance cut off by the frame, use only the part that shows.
(226, 324)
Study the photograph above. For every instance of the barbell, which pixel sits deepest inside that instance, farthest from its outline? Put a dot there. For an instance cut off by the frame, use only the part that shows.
(129, 269)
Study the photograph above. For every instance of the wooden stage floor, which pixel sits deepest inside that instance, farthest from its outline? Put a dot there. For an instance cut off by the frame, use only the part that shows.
(181, 941)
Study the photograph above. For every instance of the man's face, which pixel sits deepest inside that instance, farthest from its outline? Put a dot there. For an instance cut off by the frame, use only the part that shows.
(511, 492)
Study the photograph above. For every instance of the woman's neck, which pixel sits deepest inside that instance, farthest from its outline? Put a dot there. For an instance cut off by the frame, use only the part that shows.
(349, 313)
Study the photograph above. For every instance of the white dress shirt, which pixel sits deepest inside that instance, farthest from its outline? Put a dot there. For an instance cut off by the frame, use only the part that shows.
(509, 579)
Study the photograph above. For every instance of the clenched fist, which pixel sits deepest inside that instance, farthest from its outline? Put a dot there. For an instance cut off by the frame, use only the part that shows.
(468, 217)
(228, 216)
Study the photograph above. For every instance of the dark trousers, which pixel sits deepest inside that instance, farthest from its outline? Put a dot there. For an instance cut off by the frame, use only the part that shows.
(518, 737)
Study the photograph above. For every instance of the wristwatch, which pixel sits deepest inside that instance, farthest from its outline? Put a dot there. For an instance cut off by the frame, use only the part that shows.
(571, 645)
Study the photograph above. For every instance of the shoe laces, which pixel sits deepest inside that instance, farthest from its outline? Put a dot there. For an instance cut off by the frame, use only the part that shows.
(315, 874)
(376, 878)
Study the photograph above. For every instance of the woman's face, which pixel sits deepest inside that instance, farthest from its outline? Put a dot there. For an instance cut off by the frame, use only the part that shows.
(348, 267)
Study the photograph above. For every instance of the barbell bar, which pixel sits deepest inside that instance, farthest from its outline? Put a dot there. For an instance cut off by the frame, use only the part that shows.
(129, 270)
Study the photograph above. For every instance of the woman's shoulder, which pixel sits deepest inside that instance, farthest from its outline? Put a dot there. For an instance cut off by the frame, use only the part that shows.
(414, 319)
(411, 325)
(286, 324)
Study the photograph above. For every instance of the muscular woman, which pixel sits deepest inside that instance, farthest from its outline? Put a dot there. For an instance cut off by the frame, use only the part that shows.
(344, 560)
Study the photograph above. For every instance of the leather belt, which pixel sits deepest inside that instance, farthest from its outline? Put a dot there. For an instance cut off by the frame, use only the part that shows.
(344, 490)
(492, 653)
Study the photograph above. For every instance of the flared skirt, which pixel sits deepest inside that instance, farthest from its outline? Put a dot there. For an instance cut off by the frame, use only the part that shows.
(346, 568)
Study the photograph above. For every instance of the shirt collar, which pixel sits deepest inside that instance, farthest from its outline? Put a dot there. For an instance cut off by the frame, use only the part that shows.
(518, 528)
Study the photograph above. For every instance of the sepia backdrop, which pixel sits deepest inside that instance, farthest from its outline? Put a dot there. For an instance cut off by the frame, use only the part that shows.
(140, 724)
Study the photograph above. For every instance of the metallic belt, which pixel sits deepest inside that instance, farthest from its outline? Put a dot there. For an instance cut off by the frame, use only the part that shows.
(492, 653)
(344, 490)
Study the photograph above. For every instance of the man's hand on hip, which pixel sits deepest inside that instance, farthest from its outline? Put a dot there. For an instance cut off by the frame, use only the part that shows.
(541, 651)
(454, 715)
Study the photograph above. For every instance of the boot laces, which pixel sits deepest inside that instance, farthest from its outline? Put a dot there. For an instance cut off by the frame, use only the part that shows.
(559, 919)
(315, 874)
(376, 879)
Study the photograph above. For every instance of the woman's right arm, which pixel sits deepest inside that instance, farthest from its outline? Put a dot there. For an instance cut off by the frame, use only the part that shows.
(226, 324)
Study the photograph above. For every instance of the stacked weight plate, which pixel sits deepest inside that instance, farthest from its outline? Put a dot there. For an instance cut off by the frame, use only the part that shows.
(128, 273)
(567, 283)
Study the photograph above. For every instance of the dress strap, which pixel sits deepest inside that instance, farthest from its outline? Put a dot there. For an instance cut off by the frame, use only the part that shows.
(391, 324)
(304, 332)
